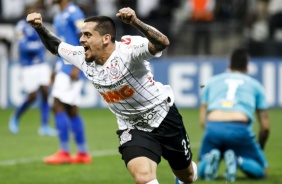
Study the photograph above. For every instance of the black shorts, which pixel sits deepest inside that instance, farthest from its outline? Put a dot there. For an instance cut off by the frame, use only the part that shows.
(169, 141)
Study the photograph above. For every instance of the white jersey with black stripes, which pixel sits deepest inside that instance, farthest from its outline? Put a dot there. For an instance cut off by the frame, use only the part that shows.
(126, 82)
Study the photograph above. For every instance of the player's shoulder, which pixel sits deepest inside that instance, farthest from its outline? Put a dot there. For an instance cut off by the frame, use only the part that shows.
(130, 42)
(218, 77)
(71, 50)
(254, 81)
(73, 8)
(21, 24)
(250, 81)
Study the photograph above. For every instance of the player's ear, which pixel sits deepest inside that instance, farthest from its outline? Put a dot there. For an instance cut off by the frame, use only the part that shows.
(107, 38)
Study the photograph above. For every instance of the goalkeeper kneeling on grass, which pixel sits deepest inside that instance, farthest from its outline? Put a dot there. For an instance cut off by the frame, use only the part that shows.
(228, 102)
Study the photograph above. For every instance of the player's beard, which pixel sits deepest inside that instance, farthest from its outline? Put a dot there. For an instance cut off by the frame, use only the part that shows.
(89, 59)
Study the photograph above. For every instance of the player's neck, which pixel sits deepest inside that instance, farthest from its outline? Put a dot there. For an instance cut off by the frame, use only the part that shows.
(63, 5)
(238, 71)
(106, 54)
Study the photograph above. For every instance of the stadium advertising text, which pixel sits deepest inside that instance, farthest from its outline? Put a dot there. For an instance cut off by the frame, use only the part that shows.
(185, 75)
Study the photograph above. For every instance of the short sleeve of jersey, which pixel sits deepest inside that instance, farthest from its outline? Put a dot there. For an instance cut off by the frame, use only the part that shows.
(19, 30)
(139, 47)
(261, 102)
(204, 95)
(71, 54)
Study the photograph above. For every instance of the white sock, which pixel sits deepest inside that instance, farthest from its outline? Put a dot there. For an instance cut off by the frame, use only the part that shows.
(155, 181)
(195, 168)
(179, 182)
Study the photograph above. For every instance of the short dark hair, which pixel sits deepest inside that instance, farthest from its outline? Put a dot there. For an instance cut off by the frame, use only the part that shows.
(239, 59)
(105, 25)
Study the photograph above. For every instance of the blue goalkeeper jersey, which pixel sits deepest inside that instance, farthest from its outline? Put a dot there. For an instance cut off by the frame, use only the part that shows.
(234, 91)
(67, 25)
(30, 48)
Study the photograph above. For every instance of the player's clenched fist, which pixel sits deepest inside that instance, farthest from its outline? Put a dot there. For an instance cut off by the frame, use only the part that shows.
(127, 15)
(34, 19)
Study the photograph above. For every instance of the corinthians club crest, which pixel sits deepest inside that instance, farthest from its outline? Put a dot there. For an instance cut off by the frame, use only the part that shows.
(113, 69)
(125, 137)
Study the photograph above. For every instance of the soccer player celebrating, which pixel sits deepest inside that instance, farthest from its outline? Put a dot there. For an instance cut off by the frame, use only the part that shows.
(35, 75)
(149, 123)
(67, 88)
(228, 103)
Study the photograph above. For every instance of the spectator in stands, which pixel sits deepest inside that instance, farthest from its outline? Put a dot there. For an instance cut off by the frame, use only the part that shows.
(202, 14)
(13, 11)
(125, 28)
(87, 6)
(275, 17)
(160, 14)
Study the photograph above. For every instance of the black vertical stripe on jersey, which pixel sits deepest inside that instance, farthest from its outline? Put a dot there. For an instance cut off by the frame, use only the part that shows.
(113, 82)
(93, 68)
(141, 87)
(116, 107)
(84, 63)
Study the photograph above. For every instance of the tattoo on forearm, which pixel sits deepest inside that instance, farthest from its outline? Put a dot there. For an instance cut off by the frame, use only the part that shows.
(156, 37)
(49, 39)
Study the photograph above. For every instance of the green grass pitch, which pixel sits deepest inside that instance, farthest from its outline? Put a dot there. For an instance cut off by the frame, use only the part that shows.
(21, 155)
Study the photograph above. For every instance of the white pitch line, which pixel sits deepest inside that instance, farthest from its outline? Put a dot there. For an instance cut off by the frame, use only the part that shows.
(100, 153)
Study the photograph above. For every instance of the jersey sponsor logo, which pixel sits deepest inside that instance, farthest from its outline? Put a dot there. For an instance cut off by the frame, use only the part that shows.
(126, 41)
(77, 53)
(79, 24)
(71, 52)
(138, 46)
(227, 103)
(118, 83)
(118, 95)
(67, 51)
(142, 122)
(134, 47)
(151, 80)
(125, 137)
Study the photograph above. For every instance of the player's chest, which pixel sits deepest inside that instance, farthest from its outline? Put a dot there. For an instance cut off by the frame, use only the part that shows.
(113, 71)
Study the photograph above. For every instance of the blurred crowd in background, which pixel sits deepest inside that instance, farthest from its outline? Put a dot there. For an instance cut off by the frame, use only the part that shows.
(194, 27)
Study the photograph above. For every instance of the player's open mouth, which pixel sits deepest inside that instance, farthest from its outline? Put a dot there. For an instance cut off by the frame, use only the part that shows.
(86, 49)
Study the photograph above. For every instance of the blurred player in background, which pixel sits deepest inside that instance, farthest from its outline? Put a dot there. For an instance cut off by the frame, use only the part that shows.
(149, 124)
(67, 89)
(227, 105)
(35, 75)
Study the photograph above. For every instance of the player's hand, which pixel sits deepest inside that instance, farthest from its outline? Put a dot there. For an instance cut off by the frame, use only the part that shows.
(74, 74)
(127, 15)
(34, 19)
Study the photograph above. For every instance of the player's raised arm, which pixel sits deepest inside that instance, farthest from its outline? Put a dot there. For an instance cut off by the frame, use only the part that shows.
(48, 38)
(157, 40)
